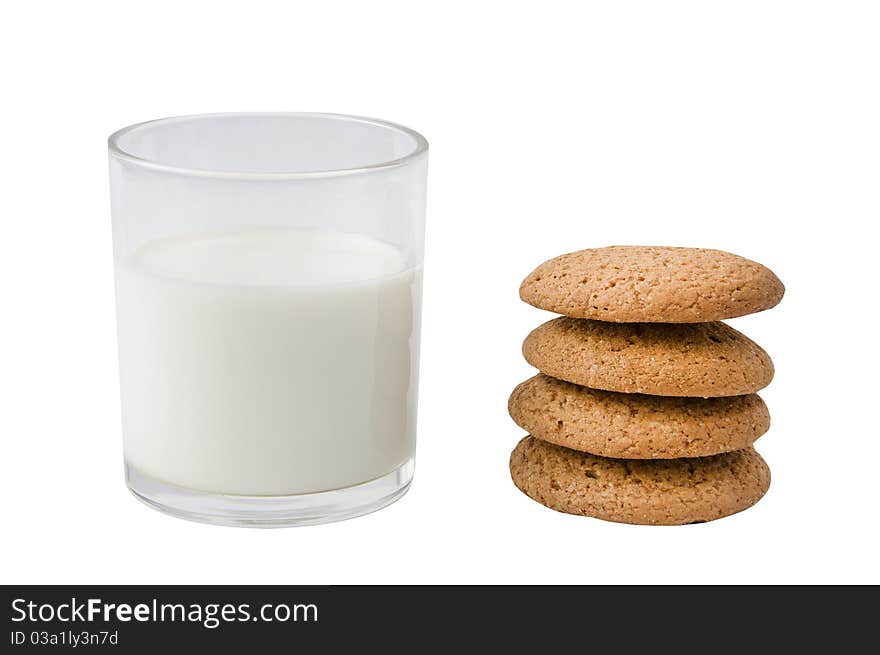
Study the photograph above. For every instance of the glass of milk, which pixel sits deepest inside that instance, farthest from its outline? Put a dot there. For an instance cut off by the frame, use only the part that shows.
(268, 289)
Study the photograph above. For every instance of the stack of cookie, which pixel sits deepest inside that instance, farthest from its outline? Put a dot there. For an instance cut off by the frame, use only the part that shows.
(645, 408)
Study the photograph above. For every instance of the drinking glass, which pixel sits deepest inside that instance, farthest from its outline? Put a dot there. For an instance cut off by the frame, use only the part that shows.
(268, 275)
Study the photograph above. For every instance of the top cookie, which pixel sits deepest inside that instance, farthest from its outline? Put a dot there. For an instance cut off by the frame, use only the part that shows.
(650, 284)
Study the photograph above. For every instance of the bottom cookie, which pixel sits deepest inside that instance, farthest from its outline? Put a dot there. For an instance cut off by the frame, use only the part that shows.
(643, 492)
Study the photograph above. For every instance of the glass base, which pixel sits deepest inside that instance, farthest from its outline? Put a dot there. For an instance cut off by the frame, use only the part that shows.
(270, 511)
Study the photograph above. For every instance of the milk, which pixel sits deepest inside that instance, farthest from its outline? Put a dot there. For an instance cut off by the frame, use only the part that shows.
(268, 361)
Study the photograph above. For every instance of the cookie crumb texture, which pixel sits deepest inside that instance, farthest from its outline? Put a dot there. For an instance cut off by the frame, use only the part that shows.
(636, 426)
(658, 492)
(705, 360)
(634, 284)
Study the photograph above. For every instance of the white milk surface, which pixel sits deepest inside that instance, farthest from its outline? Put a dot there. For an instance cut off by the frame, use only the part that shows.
(268, 361)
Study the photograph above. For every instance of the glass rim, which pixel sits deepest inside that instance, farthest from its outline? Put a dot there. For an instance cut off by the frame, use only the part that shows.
(421, 147)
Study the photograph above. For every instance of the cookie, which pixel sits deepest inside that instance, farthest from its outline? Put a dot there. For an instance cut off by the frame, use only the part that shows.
(632, 284)
(644, 492)
(636, 426)
(664, 359)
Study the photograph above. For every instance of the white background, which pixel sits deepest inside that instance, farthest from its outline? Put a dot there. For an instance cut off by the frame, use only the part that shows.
(748, 126)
